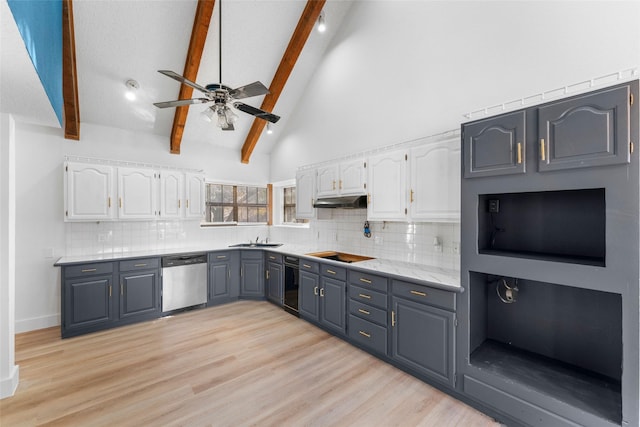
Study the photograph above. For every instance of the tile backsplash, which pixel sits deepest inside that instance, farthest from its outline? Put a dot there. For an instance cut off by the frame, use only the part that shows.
(336, 229)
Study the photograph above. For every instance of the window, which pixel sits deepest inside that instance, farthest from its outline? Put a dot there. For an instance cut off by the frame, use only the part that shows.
(228, 203)
(289, 207)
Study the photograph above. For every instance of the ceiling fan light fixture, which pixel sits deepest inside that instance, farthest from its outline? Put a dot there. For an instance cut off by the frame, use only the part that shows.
(207, 115)
(222, 119)
(269, 130)
(132, 87)
(231, 116)
(322, 26)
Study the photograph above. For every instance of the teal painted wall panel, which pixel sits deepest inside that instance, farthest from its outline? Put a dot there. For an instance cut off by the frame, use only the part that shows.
(40, 25)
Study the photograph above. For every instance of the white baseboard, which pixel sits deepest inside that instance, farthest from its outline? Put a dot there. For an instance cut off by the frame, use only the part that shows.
(26, 325)
(9, 385)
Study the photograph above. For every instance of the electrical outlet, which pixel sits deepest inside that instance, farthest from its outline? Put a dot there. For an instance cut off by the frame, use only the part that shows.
(102, 237)
(494, 206)
(456, 247)
(378, 240)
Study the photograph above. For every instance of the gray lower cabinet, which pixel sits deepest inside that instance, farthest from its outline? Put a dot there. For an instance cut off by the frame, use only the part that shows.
(223, 277)
(275, 278)
(103, 295)
(368, 315)
(252, 274)
(422, 335)
(333, 304)
(309, 291)
(139, 289)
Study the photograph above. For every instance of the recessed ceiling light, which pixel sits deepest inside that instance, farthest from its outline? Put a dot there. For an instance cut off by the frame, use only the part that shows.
(132, 87)
(322, 26)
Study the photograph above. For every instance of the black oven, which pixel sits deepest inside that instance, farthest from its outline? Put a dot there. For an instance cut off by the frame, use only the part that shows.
(291, 284)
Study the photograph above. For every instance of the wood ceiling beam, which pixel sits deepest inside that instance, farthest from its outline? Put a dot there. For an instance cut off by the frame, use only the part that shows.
(71, 106)
(204, 11)
(298, 40)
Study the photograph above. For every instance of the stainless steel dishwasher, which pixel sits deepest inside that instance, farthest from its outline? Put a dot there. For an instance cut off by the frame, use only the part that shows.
(184, 281)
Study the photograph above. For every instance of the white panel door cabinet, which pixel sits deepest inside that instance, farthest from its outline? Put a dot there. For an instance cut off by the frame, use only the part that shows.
(136, 193)
(305, 193)
(171, 194)
(434, 194)
(194, 203)
(342, 179)
(327, 180)
(89, 192)
(387, 181)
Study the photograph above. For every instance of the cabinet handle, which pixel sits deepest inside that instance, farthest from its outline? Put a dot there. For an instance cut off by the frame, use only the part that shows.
(229, 274)
(321, 292)
(221, 256)
(340, 187)
(368, 197)
(364, 334)
(411, 196)
(362, 279)
(121, 289)
(306, 265)
(422, 294)
(89, 270)
(272, 257)
(187, 203)
(267, 274)
(109, 290)
(334, 184)
(543, 154)
(365, 296)
(120, 202)
(393, 318)
(140, 265)
(519, 152)
(178, 203)
(331, 271)
(363, 311)
(315, 290)
(109, 202)
(241, 272)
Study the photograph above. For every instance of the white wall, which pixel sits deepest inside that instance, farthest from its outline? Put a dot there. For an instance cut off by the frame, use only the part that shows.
(42, 236)
(9, 372)
(400, 70)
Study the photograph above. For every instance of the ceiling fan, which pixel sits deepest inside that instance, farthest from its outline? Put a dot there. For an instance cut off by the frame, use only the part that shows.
(222, 96)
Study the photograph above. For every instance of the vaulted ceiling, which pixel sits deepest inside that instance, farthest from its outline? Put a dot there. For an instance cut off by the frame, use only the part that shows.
(132, 39)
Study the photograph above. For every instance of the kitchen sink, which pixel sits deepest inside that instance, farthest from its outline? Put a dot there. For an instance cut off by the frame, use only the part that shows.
(256, 245)
(340, 256)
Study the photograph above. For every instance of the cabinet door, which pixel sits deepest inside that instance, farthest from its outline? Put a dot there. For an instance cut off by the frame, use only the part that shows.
(136, 193)
(327, 179)
(171, 194)
(435, 181)
(352, 178)
(308, 295)
(88, 192)
(252, 278)
(333, 304)
(194, 203)
(275, 283)
(422, 339)
(88, 303)
(586, 131)
(495, 146)
(305, 193)
(219, 283)
(387, 186)
(139, 294)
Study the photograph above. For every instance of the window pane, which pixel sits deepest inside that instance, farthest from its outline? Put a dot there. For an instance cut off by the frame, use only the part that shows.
(214, 193)
(242, 195)
(262, 214)
(227, 194)
(287, 196)
(228, 214)
(252, 214)
(215, 214)
(252, 195)
(242, 214)
(262, 196)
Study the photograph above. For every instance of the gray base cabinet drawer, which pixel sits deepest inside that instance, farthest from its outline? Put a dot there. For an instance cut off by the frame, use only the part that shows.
(424, 295)
(368, 334)
(88, 269)
(368, 296)
(140, 264)
(333, 272)
(368, 281)
(273, 257)
(309, 266)
(368, 312)
(219, 256)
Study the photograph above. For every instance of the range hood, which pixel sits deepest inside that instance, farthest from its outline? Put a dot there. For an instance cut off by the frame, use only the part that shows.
(345, 202)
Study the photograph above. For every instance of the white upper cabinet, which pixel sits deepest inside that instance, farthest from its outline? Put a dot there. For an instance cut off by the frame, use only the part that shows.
(171, 194)
(88, 191)
(387, 183)
(136, 193)
(435, 182)
(353, 178)
(194, 203)
(342, 179)
(305, 193)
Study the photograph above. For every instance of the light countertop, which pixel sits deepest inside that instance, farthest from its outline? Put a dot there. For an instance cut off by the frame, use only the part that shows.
(420, 273)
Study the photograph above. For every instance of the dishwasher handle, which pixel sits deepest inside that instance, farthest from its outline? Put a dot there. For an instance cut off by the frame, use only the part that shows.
(179, 260)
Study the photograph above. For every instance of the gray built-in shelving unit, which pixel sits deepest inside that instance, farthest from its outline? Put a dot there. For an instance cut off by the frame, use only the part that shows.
(549, 316)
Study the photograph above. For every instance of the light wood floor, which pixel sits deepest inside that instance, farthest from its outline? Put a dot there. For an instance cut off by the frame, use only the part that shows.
(246, 363)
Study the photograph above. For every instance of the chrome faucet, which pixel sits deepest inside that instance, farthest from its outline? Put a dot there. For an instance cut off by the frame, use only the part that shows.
(257, 238)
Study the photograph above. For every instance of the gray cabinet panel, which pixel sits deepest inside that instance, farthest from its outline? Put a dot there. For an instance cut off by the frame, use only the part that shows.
(368, 281)
(368, 334)
(87, 303)
(252, 275)
(495, 146)
(308, 295)
(333, 304)
(275, 283)
(368, 296)
(140, 264)
(423, 339)
(139, 294)
(424, 295)
(88, 269)
(590, 130)
(368, 312)
(219, 283)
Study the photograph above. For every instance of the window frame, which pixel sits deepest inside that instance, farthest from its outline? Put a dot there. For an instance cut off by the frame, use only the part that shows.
(235, 205)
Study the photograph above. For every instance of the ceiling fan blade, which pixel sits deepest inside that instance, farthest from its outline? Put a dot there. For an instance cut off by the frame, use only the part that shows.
(181, 102)
(256, 112)
(181, 79)
(247, 91)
